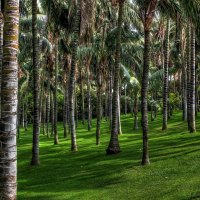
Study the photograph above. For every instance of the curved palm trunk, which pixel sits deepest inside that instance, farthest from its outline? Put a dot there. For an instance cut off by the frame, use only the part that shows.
(36, 119)
(55, 94)
(72, 77)
(166, 76)
(113, 146)
(9, 92)
(192, 83)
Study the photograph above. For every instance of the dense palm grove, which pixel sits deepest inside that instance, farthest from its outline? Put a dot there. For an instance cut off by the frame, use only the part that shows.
(85, 59)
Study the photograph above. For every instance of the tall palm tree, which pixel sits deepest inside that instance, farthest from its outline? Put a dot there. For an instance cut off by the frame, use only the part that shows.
(188, 77)
(166, 76)
(99, 103)
(55, 92)
(9, 93)
(36, 119)
(192, 81)
(113, 146)
(89, 109)
(71, 84)
(1, 48)
(148, 15)
(48, 104)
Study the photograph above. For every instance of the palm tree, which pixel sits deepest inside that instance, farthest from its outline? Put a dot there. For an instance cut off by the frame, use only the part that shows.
(55, 92)
(48, 104)
(99, 103)
(36, 120)
(9, 94)
(188, 78)
(82, 96)
(192, 82)
(149, 9)
(89, 109)
(71, 84)
(166, 76)
(113, 146)
(1, 48)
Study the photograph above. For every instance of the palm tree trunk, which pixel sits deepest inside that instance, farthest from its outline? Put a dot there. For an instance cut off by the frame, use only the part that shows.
(36, 119)
(110, 93)
(106, 104)
(89, 97)
(44, 114)
(98, 109)
(125, 100)
(41, 98)
(55, 93)
(22, 112)
(52, 113)
(188, 79)
(82, 98)
(1, 48)
(65, 111)
(26, 116)
(184, 81)
(113, 146)
(184, 92)
(72, 77)
(76, 109)
(166, 76)
(9, 101)
(144, 107)
(135, 110)
(119, 112)
(149, 9)
(192, 83)
(48, 107)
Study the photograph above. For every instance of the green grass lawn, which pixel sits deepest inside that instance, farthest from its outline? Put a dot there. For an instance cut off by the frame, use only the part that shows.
(90, 174)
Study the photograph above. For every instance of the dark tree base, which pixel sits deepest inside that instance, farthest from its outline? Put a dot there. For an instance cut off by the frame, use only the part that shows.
(56, 142)
(110, 150)
(145, 162)
(35, 162)
(74, 149)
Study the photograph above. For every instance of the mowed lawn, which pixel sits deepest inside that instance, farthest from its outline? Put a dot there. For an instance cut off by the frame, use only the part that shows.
(90, 174)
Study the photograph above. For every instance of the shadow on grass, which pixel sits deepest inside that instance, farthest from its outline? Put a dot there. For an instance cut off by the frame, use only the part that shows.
(64, 173)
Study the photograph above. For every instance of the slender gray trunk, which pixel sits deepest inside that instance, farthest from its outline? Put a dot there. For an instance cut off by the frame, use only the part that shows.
(166, 76)
(192, 83)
